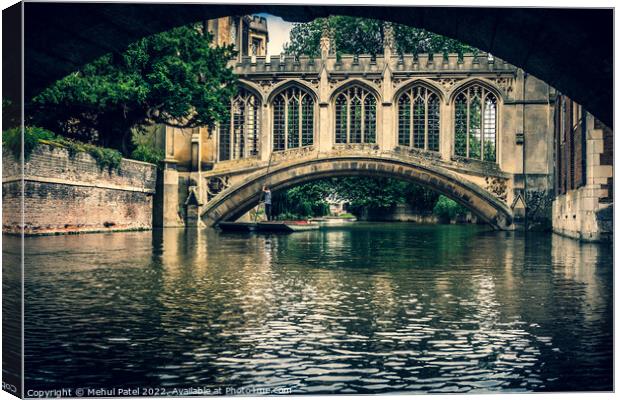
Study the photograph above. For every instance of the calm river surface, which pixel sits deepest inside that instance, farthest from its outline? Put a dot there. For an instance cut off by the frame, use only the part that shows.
(365, 309)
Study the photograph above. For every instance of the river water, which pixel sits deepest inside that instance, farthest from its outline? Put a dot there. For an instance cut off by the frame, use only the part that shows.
(369, 308)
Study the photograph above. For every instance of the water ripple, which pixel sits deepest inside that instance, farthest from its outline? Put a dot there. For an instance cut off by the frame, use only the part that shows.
(396, 308)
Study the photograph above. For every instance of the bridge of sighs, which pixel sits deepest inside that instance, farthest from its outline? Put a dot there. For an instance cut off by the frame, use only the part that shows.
(474, 128)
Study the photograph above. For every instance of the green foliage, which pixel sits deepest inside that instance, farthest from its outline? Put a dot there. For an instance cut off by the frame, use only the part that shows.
(174, 77)
(539, 209)
(12, 139)
(460, 140)
(412, 40)
(360, 193)
(489, 150)
(303, 201)
(304, 39)
(447, 209)
(105, 158)
(146, 148)
(420, 198)
(475, 132)
(346, 215)
(256, 214)
(147, 154)
(353, 35)
(289, 216)
(33, 136)
(357, 35)
(370, 193)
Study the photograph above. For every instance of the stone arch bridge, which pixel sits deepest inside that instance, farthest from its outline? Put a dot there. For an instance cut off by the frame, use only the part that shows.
(474, 128)
(241, 197)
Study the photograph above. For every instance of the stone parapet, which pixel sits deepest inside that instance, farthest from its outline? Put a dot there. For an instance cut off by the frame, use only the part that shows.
(56, 165)
(63, 193)
(366, 63)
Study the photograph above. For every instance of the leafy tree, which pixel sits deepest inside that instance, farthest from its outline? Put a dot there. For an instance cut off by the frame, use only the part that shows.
(361, 193)
(304, 39)
(353, 35)
(412, 40)
(447, 209)
(146, 148)
(420, 198)
(175, 77)
(370, 193)
(304, 200)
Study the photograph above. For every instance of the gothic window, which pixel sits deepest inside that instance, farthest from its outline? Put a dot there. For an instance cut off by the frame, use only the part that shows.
(356, 116)
(341, 119)
(279, 126)
(404, 120)
(240, 132)
(475, 123)
(293, 119)
(418, 118)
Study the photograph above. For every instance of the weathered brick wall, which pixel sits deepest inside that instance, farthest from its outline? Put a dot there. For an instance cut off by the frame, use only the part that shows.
(64, 194)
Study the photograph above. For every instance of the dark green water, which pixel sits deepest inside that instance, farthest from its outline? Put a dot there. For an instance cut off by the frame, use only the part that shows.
(367, 309)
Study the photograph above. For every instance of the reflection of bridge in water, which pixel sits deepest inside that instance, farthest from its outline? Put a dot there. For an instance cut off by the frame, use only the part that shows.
(453, 124)
(438, 295)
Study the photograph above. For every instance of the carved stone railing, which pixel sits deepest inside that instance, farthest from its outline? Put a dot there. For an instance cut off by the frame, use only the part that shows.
(489, 175)
(406, 151)
(356, 149)
(292, 154)
(365, 63)
(215, 184)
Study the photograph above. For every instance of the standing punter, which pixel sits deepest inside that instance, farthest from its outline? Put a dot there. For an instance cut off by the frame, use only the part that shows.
(267, 193)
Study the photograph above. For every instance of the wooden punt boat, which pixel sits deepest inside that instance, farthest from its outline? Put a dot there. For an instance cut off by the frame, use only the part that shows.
(286, 226)
(268, 226)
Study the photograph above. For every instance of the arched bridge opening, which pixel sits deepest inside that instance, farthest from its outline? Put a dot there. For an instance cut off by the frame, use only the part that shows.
(238, 199)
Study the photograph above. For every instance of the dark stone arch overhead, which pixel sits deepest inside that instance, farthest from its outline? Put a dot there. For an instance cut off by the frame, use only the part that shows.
(571, 49)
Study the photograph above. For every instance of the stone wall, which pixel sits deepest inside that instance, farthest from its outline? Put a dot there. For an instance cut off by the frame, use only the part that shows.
(405, 213)
(586, 213)
(578, 214)
(401, 213)
(70, 194)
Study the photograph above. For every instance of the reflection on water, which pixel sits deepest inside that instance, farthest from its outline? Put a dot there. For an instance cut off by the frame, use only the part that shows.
(12, 316)
(363, 309)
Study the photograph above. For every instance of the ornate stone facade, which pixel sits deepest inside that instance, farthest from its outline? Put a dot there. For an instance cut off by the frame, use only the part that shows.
(424, 128)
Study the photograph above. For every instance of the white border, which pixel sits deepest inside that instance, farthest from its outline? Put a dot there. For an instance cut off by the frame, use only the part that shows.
(454, 3)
